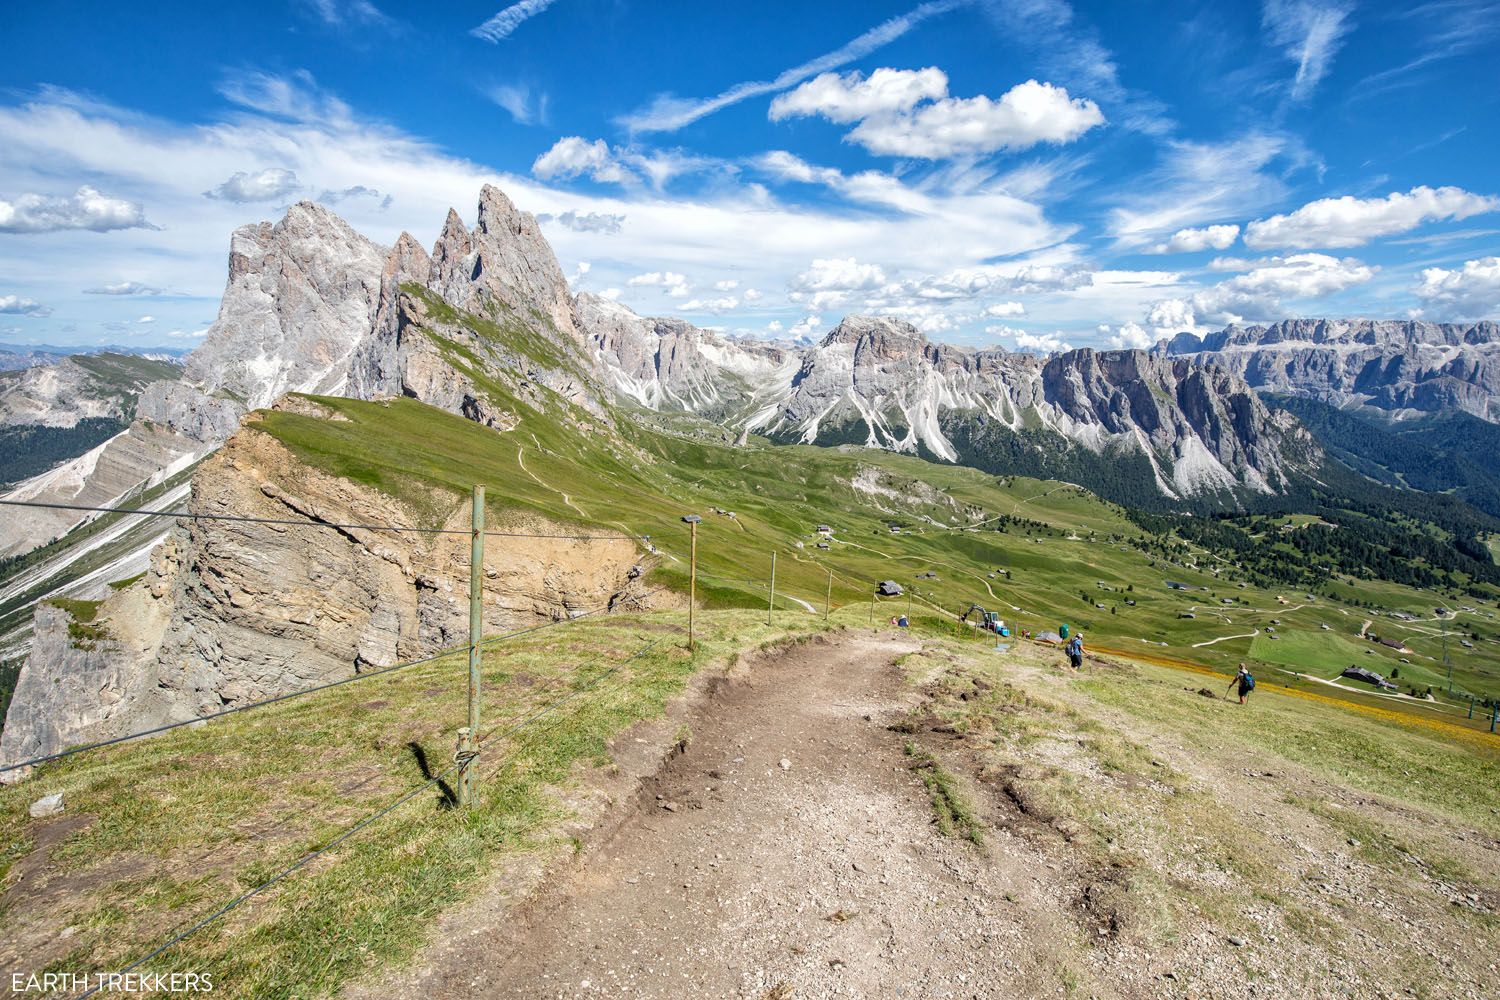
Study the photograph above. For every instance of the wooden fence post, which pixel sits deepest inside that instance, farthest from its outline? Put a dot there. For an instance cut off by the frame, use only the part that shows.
(467, 779)
(692, 586)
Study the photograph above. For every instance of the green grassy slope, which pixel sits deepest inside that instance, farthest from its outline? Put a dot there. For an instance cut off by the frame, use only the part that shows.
(1063, 551)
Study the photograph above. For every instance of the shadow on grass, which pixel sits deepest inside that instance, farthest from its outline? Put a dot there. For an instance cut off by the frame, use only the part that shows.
(449, 798)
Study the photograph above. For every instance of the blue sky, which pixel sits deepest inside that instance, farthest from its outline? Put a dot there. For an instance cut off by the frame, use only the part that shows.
(1027, 173)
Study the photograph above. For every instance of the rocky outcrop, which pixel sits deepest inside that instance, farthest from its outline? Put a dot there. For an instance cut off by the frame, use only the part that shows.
(77, 388)
(479, 324)
(1202, 428)
(232, 612)
(504, 264)
(190, 411)
(301, 295)
(1401, 366)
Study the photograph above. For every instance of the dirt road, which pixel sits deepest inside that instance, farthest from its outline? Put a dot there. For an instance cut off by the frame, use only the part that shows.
(733, 876)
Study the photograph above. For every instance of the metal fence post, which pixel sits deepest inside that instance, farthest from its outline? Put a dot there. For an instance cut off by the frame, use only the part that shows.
(772, 605)
(466, 777)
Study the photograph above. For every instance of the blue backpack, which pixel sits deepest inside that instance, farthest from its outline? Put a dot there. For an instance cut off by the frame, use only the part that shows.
(1248, 683)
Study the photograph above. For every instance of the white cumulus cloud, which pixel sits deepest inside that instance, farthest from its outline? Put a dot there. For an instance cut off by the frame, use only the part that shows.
(850, 97)
(1352, 222)
(1045, 343)
(14, 305)
(1260, 293)
(1468, 292)
(1196, 240)
(909, 113)
(1128, 336)
(86, 209)
(674, 284)
(574, 155)
(833, 280)
(1004, 310)
(263, 185)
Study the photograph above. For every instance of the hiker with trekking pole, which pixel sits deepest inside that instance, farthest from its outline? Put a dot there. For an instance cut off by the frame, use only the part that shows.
(1244, 680)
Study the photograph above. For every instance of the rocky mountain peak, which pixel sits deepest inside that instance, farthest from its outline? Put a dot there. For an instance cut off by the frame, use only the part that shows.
(301, 293)
(503, 264)
(446, 273)
(875, 331)
(407, 260)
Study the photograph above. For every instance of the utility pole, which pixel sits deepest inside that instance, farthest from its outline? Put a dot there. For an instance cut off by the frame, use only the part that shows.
(828, 600)
(772, 606)
(466, 753)
(692, 523)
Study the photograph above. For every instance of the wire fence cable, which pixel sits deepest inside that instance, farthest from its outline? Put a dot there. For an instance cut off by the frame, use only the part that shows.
(453, 651)
(240, 518)
(386, 810)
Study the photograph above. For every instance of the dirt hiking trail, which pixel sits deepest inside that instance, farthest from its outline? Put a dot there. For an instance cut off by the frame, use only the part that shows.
(789, 850)
(732, 876)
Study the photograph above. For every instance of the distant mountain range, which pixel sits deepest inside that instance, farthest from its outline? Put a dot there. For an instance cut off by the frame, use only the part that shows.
(1396, 368)
(310, 305)
(16, 356)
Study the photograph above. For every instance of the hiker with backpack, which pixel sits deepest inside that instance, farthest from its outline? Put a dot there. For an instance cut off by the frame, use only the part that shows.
(1075, 651)
(1245, 681)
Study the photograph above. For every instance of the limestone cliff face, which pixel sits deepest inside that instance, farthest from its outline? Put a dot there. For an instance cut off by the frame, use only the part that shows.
(301, 295)
(1402, 366)
(232, 612)
(505, 260)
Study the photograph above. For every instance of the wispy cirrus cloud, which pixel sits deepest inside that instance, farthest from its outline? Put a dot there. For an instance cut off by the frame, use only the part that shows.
(668, 113)
(1309, 33)
(500, 27)
(349, 13)
(518, 100)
